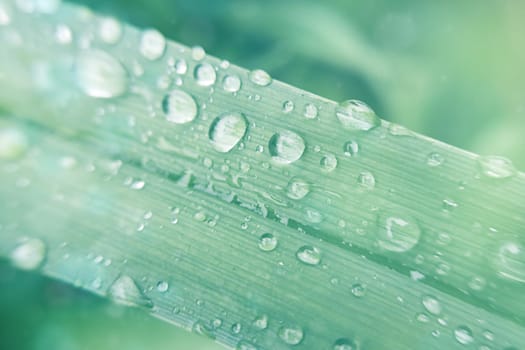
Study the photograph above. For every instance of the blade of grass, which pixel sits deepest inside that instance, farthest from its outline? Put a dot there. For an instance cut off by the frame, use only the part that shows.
(399, 217)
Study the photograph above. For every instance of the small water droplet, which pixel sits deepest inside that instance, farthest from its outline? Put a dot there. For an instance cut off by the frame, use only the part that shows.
(231, 83)
(496, 167)
(477, 283)
(200, 327)
(328, 163)
(205, 74)
(162, 286)
(236, 328)
(260, 77)
(435, 159)
(423, 318)
(345, 344)
(297, 188)
(511, 262)
(267, 242)
(309, 255)
(291, 335)
(110, 30)
(29, 255)
(261, 322)
(431, 304)
(152, 44)
(350, 148)
(197, 53)
(179, 107)
(125, 291)
(137, 185)
(397, 234)
(100, 75)
(13, 143)
(288, 106)
(358, 290)
(463, 335)
(367, 180)
(286, 147)
(227, 130)
(310, 111)
(356, 115)
(63, 34)
(449, 204)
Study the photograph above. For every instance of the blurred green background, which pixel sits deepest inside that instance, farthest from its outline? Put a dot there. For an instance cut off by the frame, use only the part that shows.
(453, 70)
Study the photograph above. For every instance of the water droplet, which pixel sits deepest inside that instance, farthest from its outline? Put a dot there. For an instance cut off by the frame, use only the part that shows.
(260, 77)
(367, 180)
(423, 318)
(202, 328)
(41, 6)
(297, 188)
(310, 111)
(181, 67)
(13, 143)
(205, 74)
(288, 106)
(449, 204)
(477, 283)
(496, 167)
(286, 147)
(356, 115)
(291, 335)
(328, 163)
(435, 159)
(345, 344)
(152, 44)
(245, 345)
(63, 34)
(309, 255)
(511, 262)
(179, 107)
(5, 16)
(261, 322)
(137, 185)
(313, 216)
(397, 234)
(463, 335)
(29, 255)
(236, 328)
(162, 286)
(110, 30)
(431, 304)
(100, 75)
(231, 83)
(358, 290)
(227, 130)
(125, 291)
(350, 148)
(197, 53)
(267, 242)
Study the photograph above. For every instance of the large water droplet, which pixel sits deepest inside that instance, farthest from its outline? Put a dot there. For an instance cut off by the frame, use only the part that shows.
(463, 335)
(110, 30)
(231, 83)
(29, 255)
(205, 74)
(179, 107)
(345, 344)
(260, 77)
(267, 242)
(286, 147)
(100, 75)
(227, 130)
(496, 167)
(397, 234)
(152, 44)
(126, 292)
(356, 115)
(431, 304)
(291, 335)
(309, 255)
(297, 188)
(13, 143)
(511, 262)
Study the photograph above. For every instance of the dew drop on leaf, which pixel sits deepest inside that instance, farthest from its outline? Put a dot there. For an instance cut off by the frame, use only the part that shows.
(179, 107)
(345, 344)
(463, 335)
(397, 233)
(511, 262)
(260, 77)
(496, 167)
(291, 335)
(328, 163)
(227, 130)
(267, 242)
(261, 322)
(100, 75)
(231, 83)
(152, 44)
(162, 286)
(286, 147)
(350, 148)
(356, 115)
(110, 30)
(125, 291)
(358, 290)
(13, 143)
(29, 255)
(205, 74)
(288, 106)
(431, 304)
(309, 255)
(297, 188)
(310, 111)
